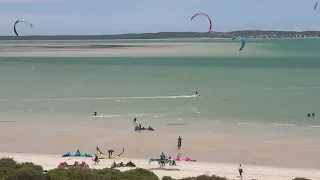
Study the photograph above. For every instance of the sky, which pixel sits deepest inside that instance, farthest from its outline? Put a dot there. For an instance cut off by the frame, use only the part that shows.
(67, 17)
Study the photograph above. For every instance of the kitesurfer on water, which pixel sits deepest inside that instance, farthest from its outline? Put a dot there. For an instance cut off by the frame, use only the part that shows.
(95, 113)
(197, 94)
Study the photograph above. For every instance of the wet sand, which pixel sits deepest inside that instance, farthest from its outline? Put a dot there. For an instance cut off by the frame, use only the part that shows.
(204, 146)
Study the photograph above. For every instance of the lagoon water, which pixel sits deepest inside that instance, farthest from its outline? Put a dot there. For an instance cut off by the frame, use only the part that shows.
(273, 83)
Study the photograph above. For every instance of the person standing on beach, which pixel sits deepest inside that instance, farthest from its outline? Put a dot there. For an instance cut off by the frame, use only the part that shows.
(110, 153)
(240, 170)
(96, 159)
(135, 121)
(179, 142)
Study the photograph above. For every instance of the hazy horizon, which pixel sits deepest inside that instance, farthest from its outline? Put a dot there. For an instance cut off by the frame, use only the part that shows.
(120, 34)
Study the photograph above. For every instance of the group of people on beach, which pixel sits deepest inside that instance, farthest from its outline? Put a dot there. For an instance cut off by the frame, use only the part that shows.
(138, 126)
(179, 144)
(96, 158)
(311, 114)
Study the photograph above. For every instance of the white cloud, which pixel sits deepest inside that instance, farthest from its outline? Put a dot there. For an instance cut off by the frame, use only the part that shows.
(30, 1)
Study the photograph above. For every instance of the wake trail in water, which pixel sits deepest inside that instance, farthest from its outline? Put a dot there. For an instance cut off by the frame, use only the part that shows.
(104, 98)
(285, 88)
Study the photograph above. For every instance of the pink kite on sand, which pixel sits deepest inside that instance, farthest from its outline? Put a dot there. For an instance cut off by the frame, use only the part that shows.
(186, 159)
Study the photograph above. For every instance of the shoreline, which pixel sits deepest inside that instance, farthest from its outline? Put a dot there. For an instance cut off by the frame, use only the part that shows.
(235, 144)
(182, 170)
(148, 39)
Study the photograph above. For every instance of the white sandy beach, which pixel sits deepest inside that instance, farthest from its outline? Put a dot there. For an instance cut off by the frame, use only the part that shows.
(183, 169)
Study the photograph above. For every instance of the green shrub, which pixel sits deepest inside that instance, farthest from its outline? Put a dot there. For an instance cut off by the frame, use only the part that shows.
(82, 174)
(26, 173)
(103, 174)
(7, 162)
(11, 170)
(138, 174)
(57, 174)
(109, 173)
(167, 178)
(7, 166)
(31, 165)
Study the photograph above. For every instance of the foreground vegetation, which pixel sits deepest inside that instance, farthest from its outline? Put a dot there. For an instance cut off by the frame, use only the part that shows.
(11, 170)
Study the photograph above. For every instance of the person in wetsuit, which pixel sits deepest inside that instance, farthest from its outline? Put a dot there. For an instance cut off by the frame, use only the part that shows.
(135, 120)
(95, 113)
(162, 157)
(96, 159)
(240, 170)
(110, 153)
(179, 142)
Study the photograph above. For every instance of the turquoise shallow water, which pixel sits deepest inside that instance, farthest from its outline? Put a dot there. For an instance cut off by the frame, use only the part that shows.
(271, 89)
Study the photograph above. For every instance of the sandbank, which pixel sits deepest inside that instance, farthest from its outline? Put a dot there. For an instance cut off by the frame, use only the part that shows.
(123, 50)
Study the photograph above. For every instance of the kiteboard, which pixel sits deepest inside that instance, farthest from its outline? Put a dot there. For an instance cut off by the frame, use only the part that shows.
(99, 116)
(106, 116)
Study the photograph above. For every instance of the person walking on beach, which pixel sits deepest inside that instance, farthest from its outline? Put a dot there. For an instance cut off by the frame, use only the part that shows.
(162, 158)
(240, 170)
(96, 159)
(179, 142)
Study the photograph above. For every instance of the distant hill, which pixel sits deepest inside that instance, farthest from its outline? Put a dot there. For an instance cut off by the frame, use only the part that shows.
(169, 35)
